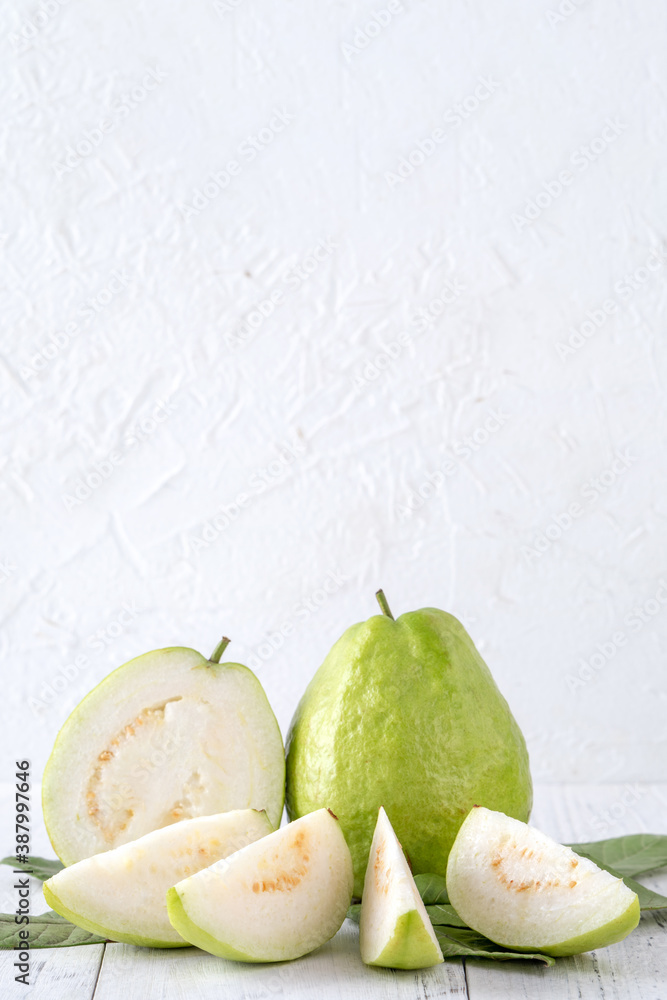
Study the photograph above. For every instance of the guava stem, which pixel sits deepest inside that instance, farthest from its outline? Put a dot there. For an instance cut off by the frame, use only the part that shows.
(382, 601)
(219, 650)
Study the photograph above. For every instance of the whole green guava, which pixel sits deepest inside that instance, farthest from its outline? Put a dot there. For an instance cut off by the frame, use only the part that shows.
(406, 715)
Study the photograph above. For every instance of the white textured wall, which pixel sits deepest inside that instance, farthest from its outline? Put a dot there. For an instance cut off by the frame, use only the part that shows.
(471, 269)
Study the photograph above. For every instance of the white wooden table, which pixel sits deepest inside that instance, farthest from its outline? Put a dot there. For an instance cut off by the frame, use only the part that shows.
(636, 969)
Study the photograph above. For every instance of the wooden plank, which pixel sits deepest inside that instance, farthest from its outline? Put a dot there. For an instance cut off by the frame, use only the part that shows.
(333, 971)
(637, 967)
(55, 974)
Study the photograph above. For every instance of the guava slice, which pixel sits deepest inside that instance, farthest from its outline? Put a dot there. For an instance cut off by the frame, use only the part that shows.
(121, 893)
(167, 736)
(275, 900)
(523, 890)
(394, 928)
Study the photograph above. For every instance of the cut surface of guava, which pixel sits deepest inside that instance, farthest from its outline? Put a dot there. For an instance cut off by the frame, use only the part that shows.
(523, 890)
(394, 927)
(275, 900)
(167, 736)
(121, 894)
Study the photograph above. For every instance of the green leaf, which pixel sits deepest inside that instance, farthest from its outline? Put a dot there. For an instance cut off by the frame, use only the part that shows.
(432, 889)
(354, 912)
(40, 868)
(45, 930)
(445, 915)
(457, 942)
(648, 899)
(630, 855)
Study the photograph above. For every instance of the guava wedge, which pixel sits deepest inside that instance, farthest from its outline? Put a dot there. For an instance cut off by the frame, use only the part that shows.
(121, 893)
(275, 900)
(168, 736)
(405, 714)
(394, 927)
(523, 890)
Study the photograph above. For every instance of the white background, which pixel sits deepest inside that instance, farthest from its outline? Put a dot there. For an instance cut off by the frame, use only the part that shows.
(169, 343)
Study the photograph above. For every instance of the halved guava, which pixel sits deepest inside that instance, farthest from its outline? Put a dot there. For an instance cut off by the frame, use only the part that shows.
(523, 890)
(167, 736)
(121, 893)
(394, 928)
(275, 900)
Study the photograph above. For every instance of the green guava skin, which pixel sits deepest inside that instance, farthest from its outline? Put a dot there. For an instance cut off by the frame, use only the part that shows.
(610, 933)
(410, 946)
(111, 933)
(405, 714)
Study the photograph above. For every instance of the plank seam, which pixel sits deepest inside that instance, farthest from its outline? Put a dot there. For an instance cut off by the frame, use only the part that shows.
(99, 970)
